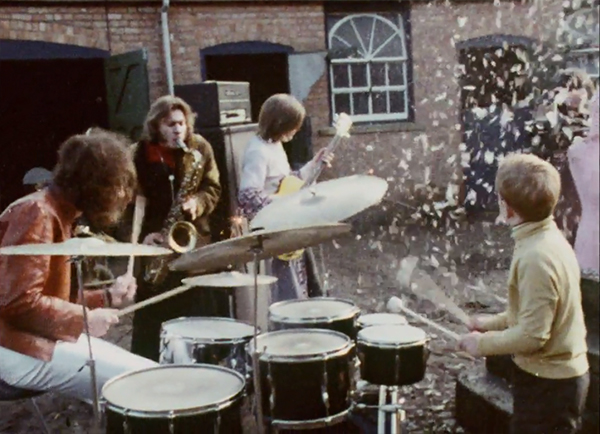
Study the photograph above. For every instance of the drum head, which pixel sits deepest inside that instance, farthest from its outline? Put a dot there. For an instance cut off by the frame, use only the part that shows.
(313, 308)
(392, 334)
(301, 343)
(208, 328)
(374, 319)
(185, 389)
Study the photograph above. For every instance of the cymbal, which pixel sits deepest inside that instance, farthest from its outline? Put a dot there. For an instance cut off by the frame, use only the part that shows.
(322, 203)
(267, 243)
(85, 247)
(228, 279)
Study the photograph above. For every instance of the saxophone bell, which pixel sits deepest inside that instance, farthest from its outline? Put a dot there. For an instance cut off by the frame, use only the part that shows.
(182, 237)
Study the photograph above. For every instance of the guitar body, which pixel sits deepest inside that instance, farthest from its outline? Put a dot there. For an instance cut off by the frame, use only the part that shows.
(290, 184)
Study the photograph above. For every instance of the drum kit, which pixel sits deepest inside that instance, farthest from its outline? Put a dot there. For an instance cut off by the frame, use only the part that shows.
(303, 373)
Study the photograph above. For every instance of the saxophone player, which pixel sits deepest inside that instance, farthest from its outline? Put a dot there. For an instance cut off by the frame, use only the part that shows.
(179, 177)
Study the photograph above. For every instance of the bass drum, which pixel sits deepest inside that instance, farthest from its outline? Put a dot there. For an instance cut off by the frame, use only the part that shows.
(192, 399)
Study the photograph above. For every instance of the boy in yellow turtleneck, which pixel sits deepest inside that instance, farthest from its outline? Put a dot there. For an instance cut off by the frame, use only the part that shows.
(543, 326)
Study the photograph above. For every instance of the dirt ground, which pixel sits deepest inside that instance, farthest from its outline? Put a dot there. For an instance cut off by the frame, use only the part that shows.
(467, 259)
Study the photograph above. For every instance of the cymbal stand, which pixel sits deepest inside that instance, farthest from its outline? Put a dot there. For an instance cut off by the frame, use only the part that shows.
(78, 260)
(256, 251)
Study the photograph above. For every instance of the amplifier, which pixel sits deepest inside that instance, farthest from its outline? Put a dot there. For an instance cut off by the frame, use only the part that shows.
(217, 103)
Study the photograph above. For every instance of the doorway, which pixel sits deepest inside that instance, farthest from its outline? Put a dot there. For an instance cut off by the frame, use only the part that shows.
(267, 74)
(44, 101)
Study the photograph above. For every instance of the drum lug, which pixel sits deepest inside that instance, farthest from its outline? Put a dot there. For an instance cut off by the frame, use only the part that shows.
(271, 389)
(126, 428)
(397, 368)
(324, 393)
(171, 422)
(218, 424)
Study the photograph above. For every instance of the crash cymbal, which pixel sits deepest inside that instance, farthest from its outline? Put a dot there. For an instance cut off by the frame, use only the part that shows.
(322, 203)
(85, 247)
(228, 279)
(267, 244)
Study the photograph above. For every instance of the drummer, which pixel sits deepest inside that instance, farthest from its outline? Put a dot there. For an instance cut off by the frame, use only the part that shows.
(42, 345)
(265, 164)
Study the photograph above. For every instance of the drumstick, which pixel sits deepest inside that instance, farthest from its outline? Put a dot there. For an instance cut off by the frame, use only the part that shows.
(428, 289)
(138, 218)
(395, 305)
(153, 300)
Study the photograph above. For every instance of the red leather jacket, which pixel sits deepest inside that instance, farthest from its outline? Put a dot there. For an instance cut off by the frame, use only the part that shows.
(35, 310)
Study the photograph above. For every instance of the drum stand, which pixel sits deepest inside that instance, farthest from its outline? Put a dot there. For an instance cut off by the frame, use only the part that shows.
(396, 413)
(91, 362)
(256, 251)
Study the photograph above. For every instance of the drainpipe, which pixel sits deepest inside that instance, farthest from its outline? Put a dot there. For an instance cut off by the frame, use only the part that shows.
(166, 40)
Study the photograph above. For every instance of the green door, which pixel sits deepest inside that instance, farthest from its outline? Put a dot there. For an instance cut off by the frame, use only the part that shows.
(127, 92)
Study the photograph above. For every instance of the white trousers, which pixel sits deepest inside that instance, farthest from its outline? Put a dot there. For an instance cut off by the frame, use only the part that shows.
(68, 373)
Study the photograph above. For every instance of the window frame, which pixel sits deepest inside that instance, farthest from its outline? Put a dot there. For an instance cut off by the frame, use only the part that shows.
(378, 10)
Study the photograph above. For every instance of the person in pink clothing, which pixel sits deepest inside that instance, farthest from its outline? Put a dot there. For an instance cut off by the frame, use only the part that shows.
(584, 163)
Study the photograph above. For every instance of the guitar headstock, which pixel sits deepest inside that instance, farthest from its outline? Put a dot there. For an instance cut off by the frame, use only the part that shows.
(342, 124)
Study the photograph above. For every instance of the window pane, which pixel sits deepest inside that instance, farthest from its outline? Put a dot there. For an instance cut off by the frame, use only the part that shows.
(340, 76)
(361, 103)
(393, 48)
(377, 74)
(342, 103)
(397, 102)
(359, 75)
(379, 102)
(396, 74)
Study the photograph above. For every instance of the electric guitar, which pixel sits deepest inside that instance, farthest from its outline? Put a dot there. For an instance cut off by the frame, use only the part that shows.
(291, 184)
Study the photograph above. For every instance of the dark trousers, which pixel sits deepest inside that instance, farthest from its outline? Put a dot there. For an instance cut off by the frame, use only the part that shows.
(547, 406)
(147, 322)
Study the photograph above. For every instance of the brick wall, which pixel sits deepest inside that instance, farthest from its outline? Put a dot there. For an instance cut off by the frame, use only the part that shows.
(407, 159)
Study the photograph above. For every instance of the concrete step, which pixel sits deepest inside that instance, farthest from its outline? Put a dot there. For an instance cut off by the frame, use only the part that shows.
(483, 404)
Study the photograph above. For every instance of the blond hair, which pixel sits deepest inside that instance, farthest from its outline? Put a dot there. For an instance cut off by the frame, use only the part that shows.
(529, 185)
(279, 115)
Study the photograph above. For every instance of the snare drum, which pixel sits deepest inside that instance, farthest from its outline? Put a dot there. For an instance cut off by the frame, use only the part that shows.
(174, 399)
(375, 319)
(306, 377)
(214, 341)
(392, 355)
(319, 313)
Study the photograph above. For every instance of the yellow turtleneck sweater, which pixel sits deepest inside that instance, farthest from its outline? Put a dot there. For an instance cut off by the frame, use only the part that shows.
(543, 325)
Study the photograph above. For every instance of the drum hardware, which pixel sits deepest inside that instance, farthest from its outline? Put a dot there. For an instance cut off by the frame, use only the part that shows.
(322, 203)
(389, 412)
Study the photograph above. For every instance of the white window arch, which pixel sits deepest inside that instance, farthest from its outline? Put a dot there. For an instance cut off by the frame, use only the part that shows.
(368, 68)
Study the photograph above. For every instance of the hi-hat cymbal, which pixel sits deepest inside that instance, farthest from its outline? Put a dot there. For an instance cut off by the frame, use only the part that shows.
(267, 244)
(228, 279)
(85, 247)
(322, 203)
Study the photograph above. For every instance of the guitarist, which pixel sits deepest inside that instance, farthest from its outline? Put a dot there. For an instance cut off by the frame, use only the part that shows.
(265, 165)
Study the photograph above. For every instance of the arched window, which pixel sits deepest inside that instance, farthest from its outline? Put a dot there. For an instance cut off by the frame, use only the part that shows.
(368, 68)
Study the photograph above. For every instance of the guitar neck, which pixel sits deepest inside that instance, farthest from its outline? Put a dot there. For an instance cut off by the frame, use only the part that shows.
(321, 165)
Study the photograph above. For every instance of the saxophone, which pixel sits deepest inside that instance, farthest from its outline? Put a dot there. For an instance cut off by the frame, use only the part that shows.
(181, 235)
